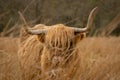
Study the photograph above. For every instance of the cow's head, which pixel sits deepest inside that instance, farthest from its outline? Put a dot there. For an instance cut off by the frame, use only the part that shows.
(60, 36)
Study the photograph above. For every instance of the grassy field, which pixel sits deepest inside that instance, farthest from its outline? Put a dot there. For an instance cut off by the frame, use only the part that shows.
(9, 69)
(100, 59)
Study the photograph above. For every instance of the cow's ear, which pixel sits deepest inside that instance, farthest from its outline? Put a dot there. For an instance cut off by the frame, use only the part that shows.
(41, 37)
(79, 37)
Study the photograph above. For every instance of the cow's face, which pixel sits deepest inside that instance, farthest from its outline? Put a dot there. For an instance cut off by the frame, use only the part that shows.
(59, 43)
(60, 36)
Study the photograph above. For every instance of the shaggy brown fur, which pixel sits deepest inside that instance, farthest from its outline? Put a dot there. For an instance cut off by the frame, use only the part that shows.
(29, 54)
(52, 53)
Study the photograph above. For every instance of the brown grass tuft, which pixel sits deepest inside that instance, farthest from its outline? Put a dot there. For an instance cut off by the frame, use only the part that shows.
(9, 44)
(9, 67)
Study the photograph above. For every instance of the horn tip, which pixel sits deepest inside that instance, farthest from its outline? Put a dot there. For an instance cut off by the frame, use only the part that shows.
(96, 8)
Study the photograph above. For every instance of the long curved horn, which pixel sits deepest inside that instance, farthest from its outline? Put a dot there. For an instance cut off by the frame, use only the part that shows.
(89, 23)
(27, 28)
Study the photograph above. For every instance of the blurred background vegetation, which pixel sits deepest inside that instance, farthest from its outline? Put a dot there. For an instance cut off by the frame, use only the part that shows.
(69, 12)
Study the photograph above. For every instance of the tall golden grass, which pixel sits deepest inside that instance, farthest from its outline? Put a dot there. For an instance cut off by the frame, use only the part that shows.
(9, 66)
(9, 45)
(100, 59)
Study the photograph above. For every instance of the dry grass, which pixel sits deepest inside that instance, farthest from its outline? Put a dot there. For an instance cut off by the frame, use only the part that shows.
(9, 67)
(9, 44)
(100, 58)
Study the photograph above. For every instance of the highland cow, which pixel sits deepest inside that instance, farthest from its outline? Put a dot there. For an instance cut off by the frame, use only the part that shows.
(51, 51)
